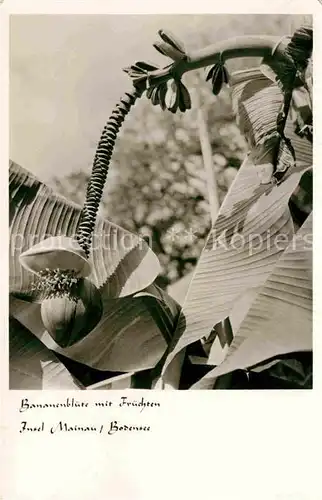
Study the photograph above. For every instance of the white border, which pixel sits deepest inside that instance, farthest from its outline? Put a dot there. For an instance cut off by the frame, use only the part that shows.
(221, 445)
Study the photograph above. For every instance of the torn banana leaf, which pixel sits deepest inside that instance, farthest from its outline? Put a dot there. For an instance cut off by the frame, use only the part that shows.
(257, 101)
(240, 252)
(280, 319)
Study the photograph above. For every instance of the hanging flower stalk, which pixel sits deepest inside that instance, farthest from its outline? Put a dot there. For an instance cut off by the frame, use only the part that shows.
(101, 165)
(71, 305)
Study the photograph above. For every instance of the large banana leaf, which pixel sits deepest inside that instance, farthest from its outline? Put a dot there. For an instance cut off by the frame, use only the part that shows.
(257, 101)
(280, 319)
(226, 271)
(252, 212)
(32, 365)
(121, 262)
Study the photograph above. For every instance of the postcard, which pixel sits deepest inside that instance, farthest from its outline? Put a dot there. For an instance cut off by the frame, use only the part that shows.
(161, 326)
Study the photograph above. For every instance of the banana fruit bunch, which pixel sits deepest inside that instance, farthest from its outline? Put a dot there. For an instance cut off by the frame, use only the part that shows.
(171, 95)
(139, 72)
(218, 75)
(170, 46)
(161, 88)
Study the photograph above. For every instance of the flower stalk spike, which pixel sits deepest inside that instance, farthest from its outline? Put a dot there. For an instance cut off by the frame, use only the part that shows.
(100, 168)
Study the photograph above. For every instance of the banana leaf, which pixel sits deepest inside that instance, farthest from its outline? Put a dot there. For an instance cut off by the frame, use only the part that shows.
(291, 371)
(121, 262)
(32, 365)
(280, 319)
(241, 249)
(256, 102)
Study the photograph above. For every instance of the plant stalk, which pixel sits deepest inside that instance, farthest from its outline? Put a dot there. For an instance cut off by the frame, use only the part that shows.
(100, 168)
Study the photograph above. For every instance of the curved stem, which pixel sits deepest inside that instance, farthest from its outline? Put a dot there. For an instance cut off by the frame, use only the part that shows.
(100, 168)
(250, 46)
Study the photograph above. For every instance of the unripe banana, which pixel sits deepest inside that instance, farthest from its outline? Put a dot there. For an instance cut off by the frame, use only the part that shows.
(162, 90)
(217, 79)
(169, 51)
(154, 96)
(172, 96)
(171, 40)
(149, 92)
(210, 73)
(185, 97)
(218, 74)
(225, 75)
(146, 66)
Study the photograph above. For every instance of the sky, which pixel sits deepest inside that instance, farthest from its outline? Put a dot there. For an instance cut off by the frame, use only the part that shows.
(66, 77)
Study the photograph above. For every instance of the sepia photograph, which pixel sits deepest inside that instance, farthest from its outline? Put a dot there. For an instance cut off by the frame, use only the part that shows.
(160, 202)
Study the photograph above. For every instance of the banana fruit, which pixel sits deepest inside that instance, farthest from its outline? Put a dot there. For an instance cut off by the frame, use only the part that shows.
(139, 72)
(177, 97)
(170, 46)
(170, 39)
(162, 90)
(144, 66)
(168, 50)
(172, 95)
(184, 99)
(169, 94)
(218, 75)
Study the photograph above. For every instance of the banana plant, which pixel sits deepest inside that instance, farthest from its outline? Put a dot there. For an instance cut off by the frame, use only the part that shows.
(229, 275)
(119, 322)
(95, 306)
